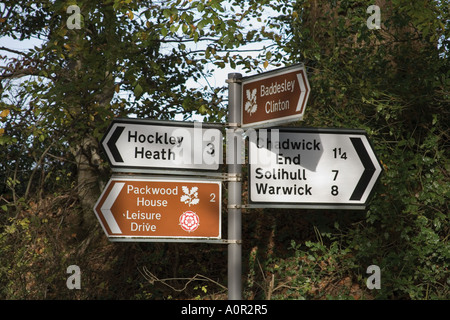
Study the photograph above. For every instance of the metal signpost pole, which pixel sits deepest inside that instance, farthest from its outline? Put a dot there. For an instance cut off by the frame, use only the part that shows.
(234, 189)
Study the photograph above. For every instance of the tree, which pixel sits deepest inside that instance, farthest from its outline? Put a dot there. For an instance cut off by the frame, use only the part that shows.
(124, 58)
(94, 60)
(133, 58)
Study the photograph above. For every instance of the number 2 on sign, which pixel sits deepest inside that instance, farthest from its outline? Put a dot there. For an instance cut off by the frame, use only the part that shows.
(213, 197)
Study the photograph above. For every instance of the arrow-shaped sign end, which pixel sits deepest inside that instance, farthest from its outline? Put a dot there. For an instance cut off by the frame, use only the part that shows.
(112, 144)
(369, 169)
(304, 90)
(106, 207)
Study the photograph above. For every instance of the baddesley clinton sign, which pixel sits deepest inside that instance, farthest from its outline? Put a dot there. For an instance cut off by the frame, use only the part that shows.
(148, 144)
(274, 97)
(132, 208)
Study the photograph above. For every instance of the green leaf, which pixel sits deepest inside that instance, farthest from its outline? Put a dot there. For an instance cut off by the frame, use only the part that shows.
(164, 31)
(166, 13)
(138, 90)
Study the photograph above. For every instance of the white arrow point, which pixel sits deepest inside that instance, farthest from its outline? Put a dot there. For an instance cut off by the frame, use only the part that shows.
(304, 90)
(106, 207)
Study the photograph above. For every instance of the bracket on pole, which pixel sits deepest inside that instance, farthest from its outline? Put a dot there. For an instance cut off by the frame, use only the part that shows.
(233, 177)
(228, 241)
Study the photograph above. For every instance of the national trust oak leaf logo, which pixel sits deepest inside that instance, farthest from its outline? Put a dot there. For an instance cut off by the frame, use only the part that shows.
(190, 197)
(250, 105)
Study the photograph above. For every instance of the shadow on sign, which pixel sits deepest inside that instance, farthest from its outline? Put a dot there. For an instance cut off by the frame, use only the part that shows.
(272, 149)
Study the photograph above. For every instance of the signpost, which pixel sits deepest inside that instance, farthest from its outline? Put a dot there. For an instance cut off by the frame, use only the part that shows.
(288, 168)
(136, 145)
(311, 168)
(274, 97)
(150, 209)
(234, 190)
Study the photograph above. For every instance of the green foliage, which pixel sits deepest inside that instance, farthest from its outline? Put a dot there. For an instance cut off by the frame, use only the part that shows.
(392, 82)
(316, 272)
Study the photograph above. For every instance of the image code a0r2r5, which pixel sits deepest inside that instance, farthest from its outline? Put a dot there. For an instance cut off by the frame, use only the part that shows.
(250, 309)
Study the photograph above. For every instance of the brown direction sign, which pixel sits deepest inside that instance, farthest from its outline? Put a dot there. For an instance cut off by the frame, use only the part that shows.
(274, 97)
(146, 209)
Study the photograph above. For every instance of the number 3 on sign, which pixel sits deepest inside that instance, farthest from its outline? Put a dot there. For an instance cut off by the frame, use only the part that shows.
(211, 150)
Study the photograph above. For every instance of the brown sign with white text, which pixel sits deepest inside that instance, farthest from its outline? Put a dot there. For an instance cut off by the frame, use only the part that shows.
(155, 208)
(275, 96)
